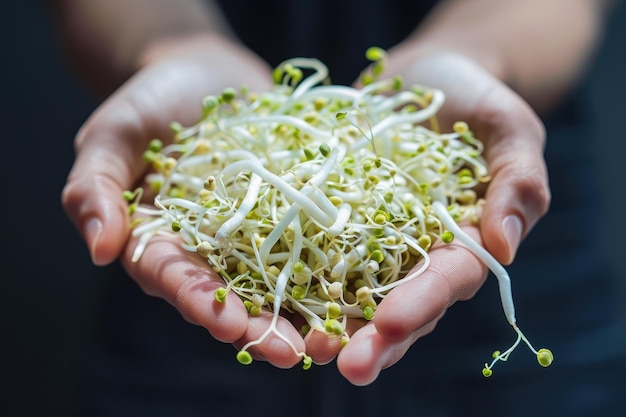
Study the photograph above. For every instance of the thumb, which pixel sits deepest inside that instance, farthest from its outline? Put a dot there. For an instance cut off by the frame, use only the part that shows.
(108, 158)
(518, 194)
(106, 165)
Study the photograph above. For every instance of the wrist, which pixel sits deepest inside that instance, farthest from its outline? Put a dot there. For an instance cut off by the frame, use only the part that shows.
(421, 48)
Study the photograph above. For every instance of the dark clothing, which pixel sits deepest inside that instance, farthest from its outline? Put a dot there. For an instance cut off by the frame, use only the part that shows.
(148, 362)
(335, 32)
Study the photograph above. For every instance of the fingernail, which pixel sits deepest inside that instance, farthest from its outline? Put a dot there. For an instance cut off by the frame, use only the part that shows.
(512, 228)
(93, 229)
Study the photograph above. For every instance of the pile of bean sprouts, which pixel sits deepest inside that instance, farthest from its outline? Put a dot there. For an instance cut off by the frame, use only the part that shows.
(318, 199)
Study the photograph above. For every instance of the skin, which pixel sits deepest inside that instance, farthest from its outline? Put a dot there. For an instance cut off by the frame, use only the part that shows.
(499, 63)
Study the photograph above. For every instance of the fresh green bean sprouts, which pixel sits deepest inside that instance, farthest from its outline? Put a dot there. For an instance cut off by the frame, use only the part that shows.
(319, 199)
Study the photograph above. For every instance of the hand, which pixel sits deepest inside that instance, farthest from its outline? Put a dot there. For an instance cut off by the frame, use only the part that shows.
(170, 86)
(518, 194)
(516, 197)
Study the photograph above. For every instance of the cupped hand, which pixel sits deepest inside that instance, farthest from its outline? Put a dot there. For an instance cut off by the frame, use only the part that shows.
(173, 79)
(407, 313)
(518, 194)
(516, 198)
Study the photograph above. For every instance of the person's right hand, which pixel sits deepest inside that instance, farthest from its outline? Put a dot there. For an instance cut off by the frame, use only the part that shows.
(170, 85)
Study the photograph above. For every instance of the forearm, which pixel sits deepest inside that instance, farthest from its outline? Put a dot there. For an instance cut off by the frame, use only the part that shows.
(538, 47)
(107, 40)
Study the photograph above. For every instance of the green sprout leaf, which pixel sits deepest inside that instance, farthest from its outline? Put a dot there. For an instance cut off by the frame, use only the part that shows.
(545, 357)
(307, 362)
(220, 295)
(375, 53)
(447, 237)
(244, 357)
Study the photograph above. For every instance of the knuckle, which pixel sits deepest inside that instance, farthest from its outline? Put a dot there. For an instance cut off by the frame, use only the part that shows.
(79, 189)
(184, 300)
(535, 191)
(181, 299)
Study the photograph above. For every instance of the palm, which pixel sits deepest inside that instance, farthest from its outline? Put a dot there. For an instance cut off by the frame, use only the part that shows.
(513, 138)
(109, 150)
(512, 133)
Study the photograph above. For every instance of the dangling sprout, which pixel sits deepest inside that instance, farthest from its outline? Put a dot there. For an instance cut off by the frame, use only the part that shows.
(319, 199)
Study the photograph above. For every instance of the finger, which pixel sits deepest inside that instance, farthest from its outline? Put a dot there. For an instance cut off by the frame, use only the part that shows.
(108, 162)
(454, 274)
(321, 347)
(518, 194)
(92, 198)
(280, 345)
(188, 283)
(411, 311)
(110, 144)
(368, 353)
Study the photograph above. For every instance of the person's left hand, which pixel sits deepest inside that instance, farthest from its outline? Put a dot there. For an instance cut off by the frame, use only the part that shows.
(407, 313)
(517, 196)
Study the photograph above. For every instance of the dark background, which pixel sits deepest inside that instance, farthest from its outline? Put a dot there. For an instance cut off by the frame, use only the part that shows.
(47, 284)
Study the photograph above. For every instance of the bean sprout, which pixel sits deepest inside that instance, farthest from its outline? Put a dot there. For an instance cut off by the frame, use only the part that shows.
(319, 199)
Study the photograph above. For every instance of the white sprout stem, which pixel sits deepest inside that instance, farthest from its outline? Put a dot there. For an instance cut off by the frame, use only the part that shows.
(150, 226)
(244, 208)
(277, 231)
(298, 238)
(395, 101)
(278, 292)
(193, 184)
(317, 252)
(293, 211)
(307, 205)
(177, 202)
(141, 245)
(346, 196)
(320, 309)
(333, 92)
(281, 284)
(311, 314)
(504, 282)
(411, 118)
(415, 272)
(241, 257)
(343, 216)
(372, 88)
(504, 356)
(321, 73)
(320, 199)
(202, 160)
(279, 119)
